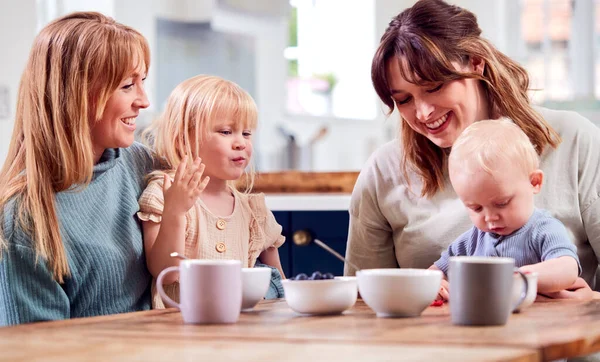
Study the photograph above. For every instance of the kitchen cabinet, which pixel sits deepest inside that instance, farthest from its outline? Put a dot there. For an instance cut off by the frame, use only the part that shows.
(329, 226)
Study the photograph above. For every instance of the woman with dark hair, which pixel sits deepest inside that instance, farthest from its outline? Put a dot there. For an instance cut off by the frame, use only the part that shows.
(435, 69)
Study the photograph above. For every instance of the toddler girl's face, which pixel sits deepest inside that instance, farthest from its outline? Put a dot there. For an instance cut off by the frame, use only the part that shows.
(500, 203)
(227, 150)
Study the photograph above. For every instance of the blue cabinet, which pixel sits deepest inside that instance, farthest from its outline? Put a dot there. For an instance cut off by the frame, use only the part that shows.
(284, 219)
(331, 227)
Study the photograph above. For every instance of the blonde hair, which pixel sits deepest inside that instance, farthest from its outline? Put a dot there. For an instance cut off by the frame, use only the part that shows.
(192, 110)
(491, 145)
(75, 65)
(429, 37)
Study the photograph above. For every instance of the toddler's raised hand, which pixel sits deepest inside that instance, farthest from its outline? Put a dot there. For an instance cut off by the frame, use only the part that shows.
(181, 194)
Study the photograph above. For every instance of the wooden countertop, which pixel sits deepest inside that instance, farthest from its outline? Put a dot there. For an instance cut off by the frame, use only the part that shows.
(273, 332)
(299, 182)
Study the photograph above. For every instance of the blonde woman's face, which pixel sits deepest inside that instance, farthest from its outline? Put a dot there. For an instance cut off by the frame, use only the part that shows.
(118, 123)
(440, 111)
(227, 151)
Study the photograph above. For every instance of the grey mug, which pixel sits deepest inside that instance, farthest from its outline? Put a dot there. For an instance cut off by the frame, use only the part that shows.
(481, 290)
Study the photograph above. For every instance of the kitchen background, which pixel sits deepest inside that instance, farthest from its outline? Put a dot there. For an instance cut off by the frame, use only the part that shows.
(307, 62)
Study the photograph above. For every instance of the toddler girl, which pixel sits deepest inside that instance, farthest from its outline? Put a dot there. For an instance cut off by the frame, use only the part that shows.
(205, 137)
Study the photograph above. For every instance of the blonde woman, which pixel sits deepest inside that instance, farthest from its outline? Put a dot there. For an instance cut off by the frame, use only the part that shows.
(71, 245)
(435, 69)
(194, 209)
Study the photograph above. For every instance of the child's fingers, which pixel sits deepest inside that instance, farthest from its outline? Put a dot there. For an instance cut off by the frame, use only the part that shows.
(202, 185)
(166, 182)
(444, 293)
(197, 176)
(180, 170)
(189, 175)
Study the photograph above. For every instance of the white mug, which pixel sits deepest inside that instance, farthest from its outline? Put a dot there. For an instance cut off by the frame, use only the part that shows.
(210, 291)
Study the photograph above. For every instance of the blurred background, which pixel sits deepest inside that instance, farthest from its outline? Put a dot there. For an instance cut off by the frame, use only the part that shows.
(307, 62)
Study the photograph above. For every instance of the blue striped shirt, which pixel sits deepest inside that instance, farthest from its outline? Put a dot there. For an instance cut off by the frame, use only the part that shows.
(542, 238)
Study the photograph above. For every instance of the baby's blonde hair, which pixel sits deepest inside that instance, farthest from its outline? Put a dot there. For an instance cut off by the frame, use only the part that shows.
(193, 108)
(487, 145)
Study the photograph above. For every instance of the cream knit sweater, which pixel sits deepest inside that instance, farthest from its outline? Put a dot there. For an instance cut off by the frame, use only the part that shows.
(391, 226)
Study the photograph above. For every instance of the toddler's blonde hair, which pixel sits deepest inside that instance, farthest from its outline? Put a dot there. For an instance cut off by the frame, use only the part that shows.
(489, 145)
(192, 110)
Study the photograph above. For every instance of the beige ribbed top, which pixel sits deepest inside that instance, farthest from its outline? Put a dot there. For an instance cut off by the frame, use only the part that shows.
(243, 235)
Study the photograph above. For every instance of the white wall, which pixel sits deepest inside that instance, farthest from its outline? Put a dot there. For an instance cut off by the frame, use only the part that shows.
(362, 125)
(349, 141)
(270, 35)
(17, 30)
(140, 15)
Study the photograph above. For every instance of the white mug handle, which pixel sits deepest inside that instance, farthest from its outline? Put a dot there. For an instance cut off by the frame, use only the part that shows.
(159, 286)
(523, 291)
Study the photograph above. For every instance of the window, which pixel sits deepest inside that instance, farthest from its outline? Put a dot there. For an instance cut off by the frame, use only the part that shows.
(329, 58)
(561, 40)
(546, 26)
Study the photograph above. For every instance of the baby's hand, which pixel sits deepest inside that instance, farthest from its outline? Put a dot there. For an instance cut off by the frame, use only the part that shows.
(181, 194)
(580, 290)
(444, 292)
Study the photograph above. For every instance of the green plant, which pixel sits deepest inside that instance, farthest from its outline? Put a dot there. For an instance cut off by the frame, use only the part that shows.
(293, 28)
(329, 77)
(293, 41)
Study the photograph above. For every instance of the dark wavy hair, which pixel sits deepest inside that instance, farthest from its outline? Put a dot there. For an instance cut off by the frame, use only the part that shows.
(428, 37)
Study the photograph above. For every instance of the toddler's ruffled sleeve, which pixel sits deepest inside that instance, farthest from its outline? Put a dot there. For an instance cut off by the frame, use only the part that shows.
(152, 202)
(264, 229)
(265, 222)
(273, 231)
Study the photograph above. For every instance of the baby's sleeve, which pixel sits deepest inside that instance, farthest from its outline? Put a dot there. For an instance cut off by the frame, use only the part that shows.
(152, 202)
(463, 245)
(552, 241)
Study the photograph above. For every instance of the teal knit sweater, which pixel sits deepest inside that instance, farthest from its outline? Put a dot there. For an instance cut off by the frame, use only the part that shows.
(103, 241)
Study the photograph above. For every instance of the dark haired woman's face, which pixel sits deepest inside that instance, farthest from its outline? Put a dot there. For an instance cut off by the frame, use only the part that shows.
(438, 111)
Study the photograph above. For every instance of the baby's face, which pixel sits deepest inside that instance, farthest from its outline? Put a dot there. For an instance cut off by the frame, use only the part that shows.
(500, 203)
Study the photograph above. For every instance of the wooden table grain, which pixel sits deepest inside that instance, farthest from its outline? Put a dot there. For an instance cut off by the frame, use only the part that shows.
(543, 332)
(188, 349)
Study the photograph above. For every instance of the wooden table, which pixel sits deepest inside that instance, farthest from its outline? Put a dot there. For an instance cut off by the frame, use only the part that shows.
(273, 332)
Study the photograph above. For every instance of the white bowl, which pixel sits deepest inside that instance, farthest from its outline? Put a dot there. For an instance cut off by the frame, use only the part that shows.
(398, 292)
(330, 296)
(518, 288)
(255, 283)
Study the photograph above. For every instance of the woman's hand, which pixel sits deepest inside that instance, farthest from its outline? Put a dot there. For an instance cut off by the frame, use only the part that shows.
(580, 290)
(181, 194)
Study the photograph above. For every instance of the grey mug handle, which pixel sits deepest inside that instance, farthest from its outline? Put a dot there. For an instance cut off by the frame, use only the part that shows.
(524, 291)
